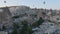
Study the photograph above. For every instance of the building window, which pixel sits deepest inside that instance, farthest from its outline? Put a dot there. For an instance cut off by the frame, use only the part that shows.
(51, 24)
(46, 33)
(1, 10)
(57, 18)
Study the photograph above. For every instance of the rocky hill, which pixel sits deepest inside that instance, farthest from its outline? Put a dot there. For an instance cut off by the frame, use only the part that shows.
(17, 14)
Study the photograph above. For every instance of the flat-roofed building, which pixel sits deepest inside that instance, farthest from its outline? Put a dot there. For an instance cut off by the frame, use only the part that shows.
(3, 32)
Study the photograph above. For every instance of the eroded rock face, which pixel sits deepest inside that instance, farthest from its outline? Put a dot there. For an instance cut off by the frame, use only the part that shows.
(17, 10)
(5, 16)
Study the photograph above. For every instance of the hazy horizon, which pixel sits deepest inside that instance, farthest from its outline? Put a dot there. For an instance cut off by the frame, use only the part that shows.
(49, 4)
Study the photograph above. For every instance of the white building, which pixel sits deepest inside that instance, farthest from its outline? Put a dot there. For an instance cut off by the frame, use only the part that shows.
(3, 32)
(46, 28)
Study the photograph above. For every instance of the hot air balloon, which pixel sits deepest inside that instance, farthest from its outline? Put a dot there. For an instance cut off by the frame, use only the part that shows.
(44, 2)
(4, 1)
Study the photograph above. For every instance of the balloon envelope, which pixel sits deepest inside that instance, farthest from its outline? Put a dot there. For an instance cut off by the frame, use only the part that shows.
(4, 1)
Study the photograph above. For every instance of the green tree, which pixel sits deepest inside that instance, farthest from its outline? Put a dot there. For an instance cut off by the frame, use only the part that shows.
(40, 21)
(3, 27)
(26, 29)
(14, 31)
(15, 17)
(37, 23)
(15, 27)
(29, 29)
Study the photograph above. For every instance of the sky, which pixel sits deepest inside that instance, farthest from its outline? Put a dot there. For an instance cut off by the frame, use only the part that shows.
(49, 4)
